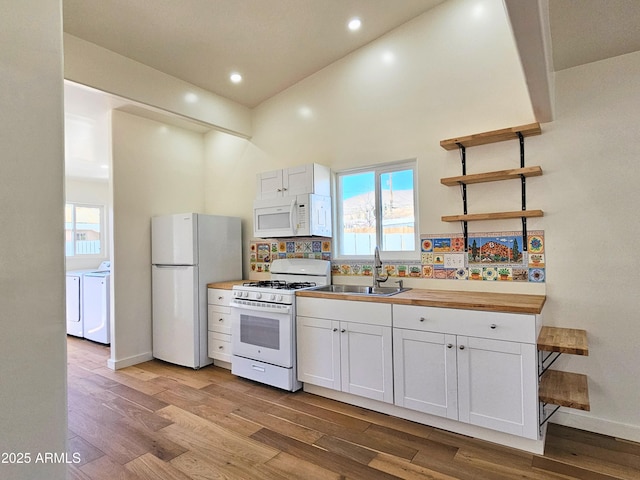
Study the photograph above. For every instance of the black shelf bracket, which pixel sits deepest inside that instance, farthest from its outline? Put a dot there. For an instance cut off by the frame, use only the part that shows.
(463, 186)
(523, 181)
(550, 358)
(547, 417)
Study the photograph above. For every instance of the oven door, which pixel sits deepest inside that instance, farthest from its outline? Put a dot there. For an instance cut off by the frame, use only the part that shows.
(263, 333)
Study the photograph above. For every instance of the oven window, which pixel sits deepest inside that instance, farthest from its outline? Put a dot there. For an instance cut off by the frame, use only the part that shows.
(259, 331)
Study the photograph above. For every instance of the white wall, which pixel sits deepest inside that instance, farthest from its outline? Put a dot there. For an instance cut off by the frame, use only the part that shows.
(32, 346)
(157, 169)
(591, 197)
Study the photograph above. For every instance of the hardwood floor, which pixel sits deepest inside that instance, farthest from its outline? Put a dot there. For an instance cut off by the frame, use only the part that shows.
(158, 421)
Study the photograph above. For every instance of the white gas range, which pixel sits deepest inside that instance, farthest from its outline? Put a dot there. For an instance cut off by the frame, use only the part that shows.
(263, 321)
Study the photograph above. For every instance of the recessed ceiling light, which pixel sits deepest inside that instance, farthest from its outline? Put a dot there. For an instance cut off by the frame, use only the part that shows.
(191, 97)
(354, 24)
(235, 77)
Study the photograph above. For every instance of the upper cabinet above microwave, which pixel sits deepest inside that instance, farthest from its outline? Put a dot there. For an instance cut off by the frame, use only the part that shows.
(292, 181)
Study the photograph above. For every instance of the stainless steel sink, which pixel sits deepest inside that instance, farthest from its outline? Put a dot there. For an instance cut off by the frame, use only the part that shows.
(361, 290)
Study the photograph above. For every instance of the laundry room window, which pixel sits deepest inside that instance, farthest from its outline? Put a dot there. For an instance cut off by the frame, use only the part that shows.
(83, 229)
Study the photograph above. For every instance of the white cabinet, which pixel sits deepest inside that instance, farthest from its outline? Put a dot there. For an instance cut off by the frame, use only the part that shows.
(425, 372)
(477, 367)
(346, 346)
(292, 181)
(219, 324)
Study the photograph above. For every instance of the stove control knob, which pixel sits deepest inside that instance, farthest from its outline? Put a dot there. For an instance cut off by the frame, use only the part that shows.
(258, 296)
(246, 294)
(279, 298)
(272, 297)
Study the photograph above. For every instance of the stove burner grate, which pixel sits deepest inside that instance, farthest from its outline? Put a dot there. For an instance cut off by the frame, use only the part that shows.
(279, 284)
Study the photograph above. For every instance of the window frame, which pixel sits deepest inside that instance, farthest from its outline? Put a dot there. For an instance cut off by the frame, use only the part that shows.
(102, 239)
(378, 170)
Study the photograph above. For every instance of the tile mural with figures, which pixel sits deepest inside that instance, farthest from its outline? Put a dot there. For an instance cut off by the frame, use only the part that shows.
(494, 256)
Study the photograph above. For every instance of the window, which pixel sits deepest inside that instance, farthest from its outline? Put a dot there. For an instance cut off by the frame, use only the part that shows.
(378, 206)
(83, 229)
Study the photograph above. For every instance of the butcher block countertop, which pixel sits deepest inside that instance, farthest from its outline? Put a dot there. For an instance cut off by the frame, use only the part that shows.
(490, 302)
(226, 285)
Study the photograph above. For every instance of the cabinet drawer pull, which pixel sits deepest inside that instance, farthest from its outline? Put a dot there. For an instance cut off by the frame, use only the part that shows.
(449, 345)
(220, 347)
(220, 298)
(493, 326)
(461, 347)
(422, 319)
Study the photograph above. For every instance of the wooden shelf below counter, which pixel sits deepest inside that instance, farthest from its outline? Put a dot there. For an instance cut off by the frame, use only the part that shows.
(228, 285)
(485, 301)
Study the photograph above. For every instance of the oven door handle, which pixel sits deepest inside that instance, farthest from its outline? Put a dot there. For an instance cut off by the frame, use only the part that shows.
(280, 310)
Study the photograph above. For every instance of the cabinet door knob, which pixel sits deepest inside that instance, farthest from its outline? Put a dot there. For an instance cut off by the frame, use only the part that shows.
(422, 319)
(335, 329)
(220, 347)
(449, 345)
(279, 189)
(221, 319)
(343, 330)
(220, 298)
(493, 326)
(461, 347)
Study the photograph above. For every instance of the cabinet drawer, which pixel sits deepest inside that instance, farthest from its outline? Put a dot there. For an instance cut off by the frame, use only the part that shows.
(217, 296)
(219, 346)
(218, 322)
(345, 310)
(493, 325)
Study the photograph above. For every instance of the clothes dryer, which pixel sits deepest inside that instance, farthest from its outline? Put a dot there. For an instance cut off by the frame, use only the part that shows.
(96, 306)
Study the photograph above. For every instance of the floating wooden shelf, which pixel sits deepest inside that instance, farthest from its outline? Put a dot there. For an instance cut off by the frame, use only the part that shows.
(492, 137)
(493, 216)
(563, 340)
(564, 389)
(492, 176)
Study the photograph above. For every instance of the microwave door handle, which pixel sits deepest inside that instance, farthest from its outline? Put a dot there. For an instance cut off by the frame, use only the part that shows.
(292, 213)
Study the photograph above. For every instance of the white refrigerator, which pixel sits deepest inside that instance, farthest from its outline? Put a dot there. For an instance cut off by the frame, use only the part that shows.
(188, 251)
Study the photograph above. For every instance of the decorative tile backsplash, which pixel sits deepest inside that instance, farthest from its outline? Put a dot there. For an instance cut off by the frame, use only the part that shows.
(265, 251)
(494, 256)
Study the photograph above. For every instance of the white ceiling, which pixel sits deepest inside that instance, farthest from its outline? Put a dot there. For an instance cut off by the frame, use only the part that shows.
(585, 31)
(272, 43)
(276, 43)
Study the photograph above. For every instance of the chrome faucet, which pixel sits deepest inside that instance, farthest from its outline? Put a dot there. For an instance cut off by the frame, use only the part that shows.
(377, 268)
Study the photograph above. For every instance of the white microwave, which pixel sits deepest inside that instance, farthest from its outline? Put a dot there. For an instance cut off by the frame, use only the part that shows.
(296, 216)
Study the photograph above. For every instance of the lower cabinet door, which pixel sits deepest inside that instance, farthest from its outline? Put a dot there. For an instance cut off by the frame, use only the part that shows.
(497, 385)
(318, 351)
(367, 360)
(425, 375)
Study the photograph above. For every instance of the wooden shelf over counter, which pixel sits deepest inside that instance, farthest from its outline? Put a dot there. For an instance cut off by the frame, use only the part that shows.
(492, 176)
(564, 389)
(493, 216)
(491, 137)
(563, 340)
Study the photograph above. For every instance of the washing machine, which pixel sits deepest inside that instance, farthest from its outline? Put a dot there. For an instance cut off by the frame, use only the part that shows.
(74, 298)
(96, 310)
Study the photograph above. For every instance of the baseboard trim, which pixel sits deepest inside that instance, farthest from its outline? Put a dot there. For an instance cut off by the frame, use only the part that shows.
(597, 425)
(129, 361)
